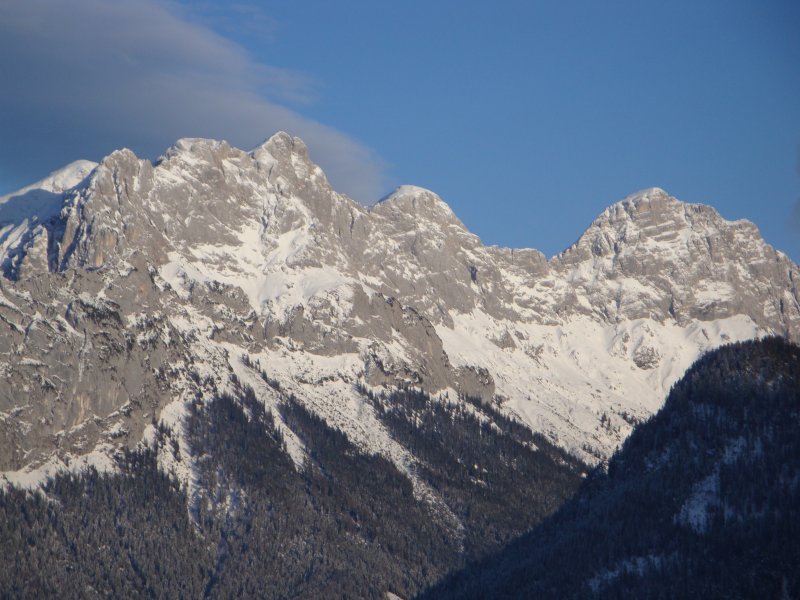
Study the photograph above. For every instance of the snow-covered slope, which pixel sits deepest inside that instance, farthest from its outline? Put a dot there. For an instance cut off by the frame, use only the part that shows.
(153, 284)
(25, 213)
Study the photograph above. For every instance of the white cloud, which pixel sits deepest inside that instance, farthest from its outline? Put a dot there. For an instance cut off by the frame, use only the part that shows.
(83, 78)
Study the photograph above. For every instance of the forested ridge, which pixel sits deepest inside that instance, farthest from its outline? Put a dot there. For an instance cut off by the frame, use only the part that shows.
(344, 525)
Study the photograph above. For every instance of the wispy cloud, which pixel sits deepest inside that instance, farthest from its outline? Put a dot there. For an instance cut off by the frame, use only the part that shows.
(794, 218)
(239, 18)
(83, 78)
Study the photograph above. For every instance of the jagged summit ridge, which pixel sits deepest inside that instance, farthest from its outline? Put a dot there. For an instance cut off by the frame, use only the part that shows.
(696, 264)
(164, 274)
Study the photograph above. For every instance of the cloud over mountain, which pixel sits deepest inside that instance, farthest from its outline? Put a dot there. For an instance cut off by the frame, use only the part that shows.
(84, 78)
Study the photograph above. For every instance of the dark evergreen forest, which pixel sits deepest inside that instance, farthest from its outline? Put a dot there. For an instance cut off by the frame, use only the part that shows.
(346, 525)
(702, 501)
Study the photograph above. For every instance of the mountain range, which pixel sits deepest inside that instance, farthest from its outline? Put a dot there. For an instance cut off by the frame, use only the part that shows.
(151, 273)
(155, 314)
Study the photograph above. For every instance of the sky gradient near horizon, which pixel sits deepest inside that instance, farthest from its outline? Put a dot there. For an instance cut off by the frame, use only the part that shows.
(528, 118)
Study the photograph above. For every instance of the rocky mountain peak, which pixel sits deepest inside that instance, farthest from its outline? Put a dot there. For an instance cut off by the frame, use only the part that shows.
(651, 229)
(64, 178)
(184, 265)
(652, 255)
(43, 199)
(660, 222)
(287, 156)
(282, 145)
(28, 218)
(197, 156)
(410, 202)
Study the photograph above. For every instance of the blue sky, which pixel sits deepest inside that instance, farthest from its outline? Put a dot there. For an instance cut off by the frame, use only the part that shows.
(528, 118)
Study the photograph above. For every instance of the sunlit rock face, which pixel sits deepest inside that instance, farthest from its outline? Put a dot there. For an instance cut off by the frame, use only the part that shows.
(131, 287)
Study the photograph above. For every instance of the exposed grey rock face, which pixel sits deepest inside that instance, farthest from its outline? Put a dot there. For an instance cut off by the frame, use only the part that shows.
(696, 265)
(146, 284)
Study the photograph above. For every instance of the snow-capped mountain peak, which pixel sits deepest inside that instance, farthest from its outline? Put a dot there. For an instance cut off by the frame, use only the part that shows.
(418, 204)
(59, 180)
(164, 275)
(27, 215)
(42, 199)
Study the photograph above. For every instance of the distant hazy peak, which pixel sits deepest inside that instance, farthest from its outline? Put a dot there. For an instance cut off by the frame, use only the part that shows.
(59, 180)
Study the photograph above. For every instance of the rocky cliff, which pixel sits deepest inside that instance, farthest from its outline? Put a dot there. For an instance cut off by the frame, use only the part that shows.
(132, 287)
